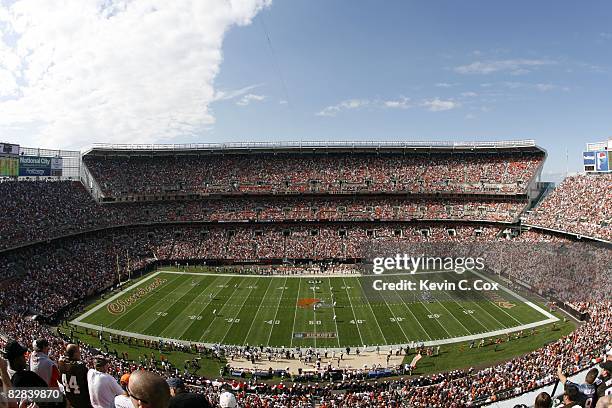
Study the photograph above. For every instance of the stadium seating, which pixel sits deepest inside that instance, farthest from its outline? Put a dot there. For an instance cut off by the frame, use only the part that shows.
(280, 174)
(41, 210)
(581, 204)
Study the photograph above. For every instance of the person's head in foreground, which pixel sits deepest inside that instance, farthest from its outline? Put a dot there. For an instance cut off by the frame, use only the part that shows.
(176, 386)
(15, 355)
(148, 390)
(571, 397)
(227, 400)
(543, 400)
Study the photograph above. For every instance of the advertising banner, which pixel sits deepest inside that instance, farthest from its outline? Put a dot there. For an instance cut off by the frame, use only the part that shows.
(601, 161)
(34, 166)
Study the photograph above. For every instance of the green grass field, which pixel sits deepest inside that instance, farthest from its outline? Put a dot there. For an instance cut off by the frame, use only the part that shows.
(280, 311)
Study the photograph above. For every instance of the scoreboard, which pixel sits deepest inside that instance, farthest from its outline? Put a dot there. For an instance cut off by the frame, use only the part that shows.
(9, 166)
(598, 157)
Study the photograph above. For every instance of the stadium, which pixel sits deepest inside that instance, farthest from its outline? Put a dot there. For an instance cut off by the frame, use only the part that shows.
(248, 266)
(305, 204)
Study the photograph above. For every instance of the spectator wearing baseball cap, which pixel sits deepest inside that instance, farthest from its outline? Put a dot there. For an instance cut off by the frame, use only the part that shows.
(42, 365)
(227, 400)
(103, 388)
(181, 398)
(123, 400)
(22, 378)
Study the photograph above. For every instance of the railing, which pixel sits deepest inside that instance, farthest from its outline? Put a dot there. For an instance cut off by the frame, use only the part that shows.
(318, 144)
(90, 183)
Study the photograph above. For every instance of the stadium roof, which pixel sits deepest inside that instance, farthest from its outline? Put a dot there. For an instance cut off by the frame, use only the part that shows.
(313, 146)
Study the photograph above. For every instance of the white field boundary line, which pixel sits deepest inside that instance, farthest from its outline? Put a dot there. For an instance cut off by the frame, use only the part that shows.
(551, 319)
(310, 276)
(519, 297)
(112, 298)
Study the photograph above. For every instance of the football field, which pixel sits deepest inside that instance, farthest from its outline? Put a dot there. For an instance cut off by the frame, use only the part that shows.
(323, 312)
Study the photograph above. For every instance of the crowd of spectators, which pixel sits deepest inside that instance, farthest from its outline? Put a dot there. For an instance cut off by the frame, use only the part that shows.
(41, 210)
(364, 208)
(507, 173)
(581, 204)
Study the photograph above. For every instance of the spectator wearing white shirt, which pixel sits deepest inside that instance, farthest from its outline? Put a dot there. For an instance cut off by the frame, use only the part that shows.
(103, 388)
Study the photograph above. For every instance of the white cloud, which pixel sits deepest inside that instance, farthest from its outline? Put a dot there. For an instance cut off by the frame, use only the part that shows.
(443, 85)
(542, 87)
(112, 71)
(401, 103)
(248, 98)
(606, 36)
(433, 105)
(469, 94)
(348, 104)
(513, 66)
(438, 105)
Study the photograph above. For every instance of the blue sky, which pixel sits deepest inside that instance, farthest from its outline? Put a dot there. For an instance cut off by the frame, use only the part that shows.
(498, 70)
(78, 72)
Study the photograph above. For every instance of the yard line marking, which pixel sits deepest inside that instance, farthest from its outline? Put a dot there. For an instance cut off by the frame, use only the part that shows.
(394, 316)
(484, 310)
(297, 298)
(516, 295)
(256, 313)
(439, 324)
(452, 315)
(415, 318)
(208, 303)
(334, 310)
(229, 326)
(183, 310)
(276, 313)
(374, 314)
(468, 314)
(353, 310)
(205, 331)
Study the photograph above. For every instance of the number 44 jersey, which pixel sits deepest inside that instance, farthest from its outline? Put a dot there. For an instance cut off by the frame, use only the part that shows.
(73, 376)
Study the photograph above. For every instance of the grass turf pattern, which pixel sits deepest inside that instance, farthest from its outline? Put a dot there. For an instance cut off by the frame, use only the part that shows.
(280, 311)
